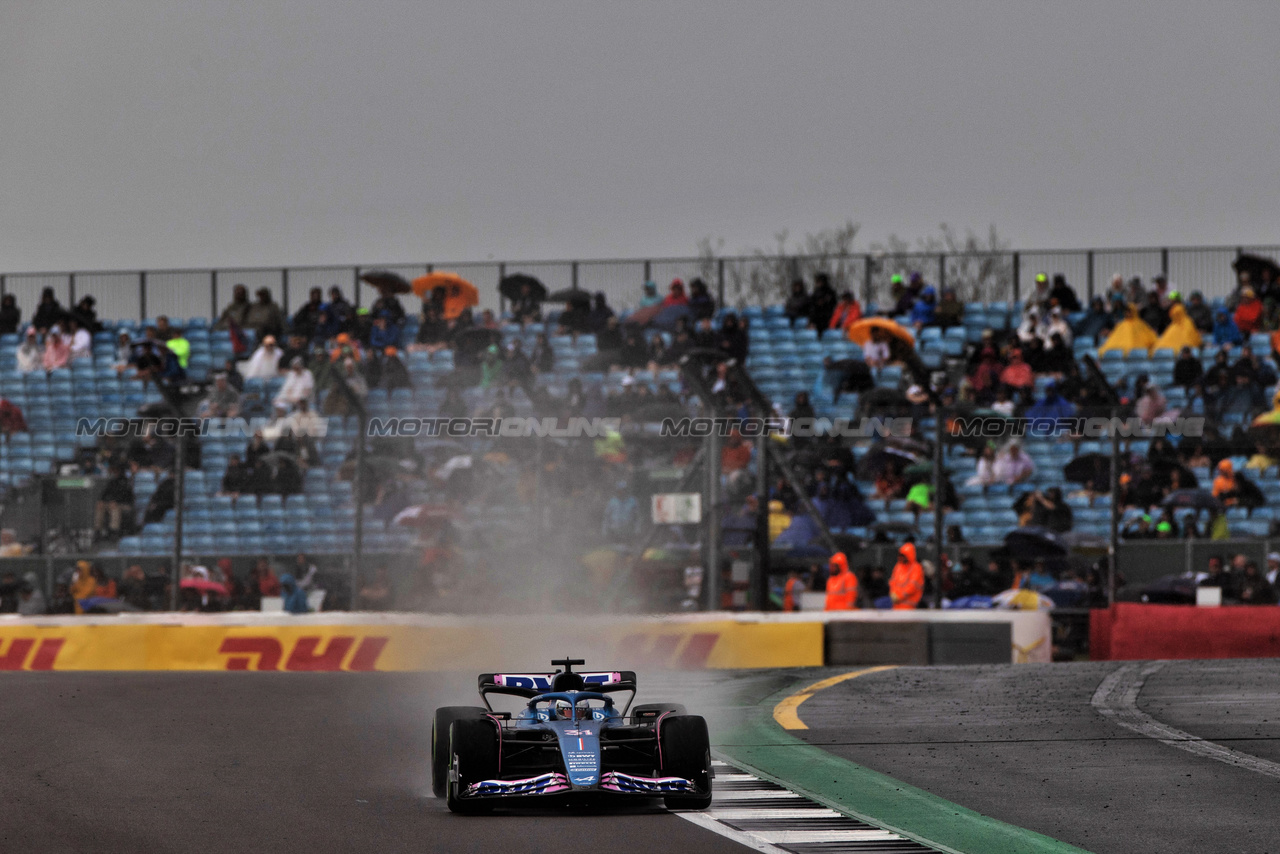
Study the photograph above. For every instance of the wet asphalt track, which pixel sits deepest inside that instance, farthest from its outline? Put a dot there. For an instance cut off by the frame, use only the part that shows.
(319, 763)
(1024, 744)
(309, 763)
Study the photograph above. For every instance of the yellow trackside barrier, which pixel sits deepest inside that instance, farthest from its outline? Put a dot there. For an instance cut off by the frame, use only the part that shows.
(401, 643)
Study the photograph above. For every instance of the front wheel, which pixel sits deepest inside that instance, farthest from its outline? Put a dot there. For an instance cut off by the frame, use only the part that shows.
(686, 752)
(445, 716)
(473, 751)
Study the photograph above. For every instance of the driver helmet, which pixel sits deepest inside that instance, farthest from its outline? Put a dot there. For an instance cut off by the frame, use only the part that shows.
(564, 710)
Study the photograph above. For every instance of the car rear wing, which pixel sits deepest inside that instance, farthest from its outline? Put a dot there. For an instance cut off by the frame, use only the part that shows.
(529, 685)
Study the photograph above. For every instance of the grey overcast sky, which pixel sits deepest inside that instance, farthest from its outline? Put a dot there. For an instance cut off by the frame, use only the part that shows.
(158, 134)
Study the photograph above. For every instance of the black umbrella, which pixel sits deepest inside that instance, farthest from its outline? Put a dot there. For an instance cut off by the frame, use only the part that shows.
(1031, 543)
(1089, 467)
(1169, 590)
(387, 281)
(1196, 499)
(512, 287)
(1163, 470)
(571, 296)
(475, 340)
(1254, 265)
(879, 458)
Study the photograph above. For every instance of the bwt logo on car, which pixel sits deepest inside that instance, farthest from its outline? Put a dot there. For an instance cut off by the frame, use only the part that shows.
(18, 655)
(267, 653)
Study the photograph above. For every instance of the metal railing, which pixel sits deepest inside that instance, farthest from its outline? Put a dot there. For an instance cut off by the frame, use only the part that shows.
(737, 281)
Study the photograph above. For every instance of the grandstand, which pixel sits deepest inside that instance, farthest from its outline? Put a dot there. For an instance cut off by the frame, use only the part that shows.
(784, 359)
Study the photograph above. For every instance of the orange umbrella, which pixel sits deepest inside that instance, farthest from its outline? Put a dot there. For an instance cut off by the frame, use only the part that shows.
(458, 292)
(860, 332)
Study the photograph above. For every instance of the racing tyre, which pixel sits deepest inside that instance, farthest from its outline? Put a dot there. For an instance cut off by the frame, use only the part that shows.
(473, 751)
(686, 752)
(445, 716)
(652, 711)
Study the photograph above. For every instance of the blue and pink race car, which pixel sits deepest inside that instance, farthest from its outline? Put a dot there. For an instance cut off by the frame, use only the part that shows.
(570, 742)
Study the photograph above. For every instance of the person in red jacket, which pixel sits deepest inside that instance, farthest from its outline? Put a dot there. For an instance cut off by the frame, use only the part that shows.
(906, 585)
(847, 312)
(842, 584)
(1248, 314)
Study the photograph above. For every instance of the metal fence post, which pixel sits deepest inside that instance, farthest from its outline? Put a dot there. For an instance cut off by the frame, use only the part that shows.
(142, 295)
(213, 294)
(1113, 543)
(502, 274)
(1164, 262)
(179, 487)
(573, 283)
(1089, 273)
(942, 272)
(71, 289)
(1017, 276)
(758, 594)
(939, 551)
(355, 286)
(712, 578)
(284, 289)
(720, 281)
(867, 267)
(648, 269)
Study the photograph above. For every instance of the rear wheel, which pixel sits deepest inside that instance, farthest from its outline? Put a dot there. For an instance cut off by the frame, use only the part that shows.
(686, 752)
(445, 716)
(473, 748)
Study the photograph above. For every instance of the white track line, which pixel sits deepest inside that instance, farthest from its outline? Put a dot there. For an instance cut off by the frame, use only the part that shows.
(750, 840)
(1117, 700)
(799, 837)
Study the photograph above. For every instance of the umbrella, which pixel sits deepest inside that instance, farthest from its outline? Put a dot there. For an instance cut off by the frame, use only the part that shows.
(387, 281)
(860, 332)
(1022, 600)
(644, 316)
(879, 458)
(895, 528)
(512, 287)
(1031, 543)
(1169, 590)
(459, 294)
(1270, 418)
(423, 515)
(1254, 265)
(1087, 467)
(204, 585)
(1196, 499)
(570, 295)
(475, 341)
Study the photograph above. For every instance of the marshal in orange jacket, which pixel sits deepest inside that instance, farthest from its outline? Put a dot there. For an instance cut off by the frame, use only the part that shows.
(842, 584)
(906, 585)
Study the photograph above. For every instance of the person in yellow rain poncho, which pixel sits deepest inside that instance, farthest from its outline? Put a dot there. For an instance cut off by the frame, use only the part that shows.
(83, 584)
(1130, 334)
(779, 519)
(1181, 331)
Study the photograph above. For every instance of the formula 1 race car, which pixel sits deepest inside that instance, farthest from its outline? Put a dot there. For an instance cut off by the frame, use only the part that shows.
(569, 742)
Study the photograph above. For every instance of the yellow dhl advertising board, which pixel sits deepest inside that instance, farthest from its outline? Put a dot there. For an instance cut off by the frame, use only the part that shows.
(716, 644)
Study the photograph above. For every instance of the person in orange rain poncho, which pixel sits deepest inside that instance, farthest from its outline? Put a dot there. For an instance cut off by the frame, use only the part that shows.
(1224, 483)
(1181, 331)
(1132, 333)
(906, 585)
(842, 584)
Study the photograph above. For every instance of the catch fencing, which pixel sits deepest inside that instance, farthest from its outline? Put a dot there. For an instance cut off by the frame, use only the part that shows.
(737, 281)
